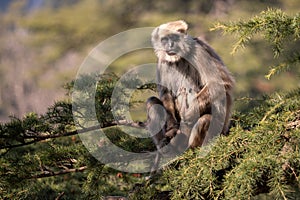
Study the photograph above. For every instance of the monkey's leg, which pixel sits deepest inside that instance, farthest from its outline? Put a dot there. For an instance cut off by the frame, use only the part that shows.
(199, 131)
(161, 126)
(156, 118)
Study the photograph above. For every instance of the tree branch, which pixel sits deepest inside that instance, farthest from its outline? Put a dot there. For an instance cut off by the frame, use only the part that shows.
(66, 171)
(40, 137)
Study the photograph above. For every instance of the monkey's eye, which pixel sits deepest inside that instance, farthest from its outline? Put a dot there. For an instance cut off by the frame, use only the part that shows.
(164, 40)
(174, 37)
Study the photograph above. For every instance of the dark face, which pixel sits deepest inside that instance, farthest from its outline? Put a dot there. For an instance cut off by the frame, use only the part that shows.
(170, 43)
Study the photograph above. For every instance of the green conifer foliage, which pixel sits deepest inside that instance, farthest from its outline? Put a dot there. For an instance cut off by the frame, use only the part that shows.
(276, 27)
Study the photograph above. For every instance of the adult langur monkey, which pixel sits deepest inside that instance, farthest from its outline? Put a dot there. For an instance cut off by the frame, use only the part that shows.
(195, 89)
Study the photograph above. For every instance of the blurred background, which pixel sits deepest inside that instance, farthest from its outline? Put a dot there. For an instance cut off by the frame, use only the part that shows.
(44, 42)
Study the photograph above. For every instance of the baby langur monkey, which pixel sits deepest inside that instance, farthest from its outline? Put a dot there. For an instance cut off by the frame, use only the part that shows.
(195, 89)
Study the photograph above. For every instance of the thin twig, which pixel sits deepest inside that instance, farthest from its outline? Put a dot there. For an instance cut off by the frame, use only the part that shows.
(66, 171)
(60, 195)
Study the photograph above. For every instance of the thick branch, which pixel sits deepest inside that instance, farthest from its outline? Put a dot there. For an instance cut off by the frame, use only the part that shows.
(40, 137)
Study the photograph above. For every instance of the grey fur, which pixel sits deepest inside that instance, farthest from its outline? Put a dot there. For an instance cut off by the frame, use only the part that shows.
(194, 86)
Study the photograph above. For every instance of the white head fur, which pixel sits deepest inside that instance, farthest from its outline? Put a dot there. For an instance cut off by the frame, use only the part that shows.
(176, 27)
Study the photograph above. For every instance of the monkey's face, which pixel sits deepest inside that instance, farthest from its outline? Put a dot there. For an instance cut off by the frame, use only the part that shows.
(170, 45)
(170, 41)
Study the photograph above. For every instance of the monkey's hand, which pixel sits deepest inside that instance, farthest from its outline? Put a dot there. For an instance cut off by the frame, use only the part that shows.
(171, 132)
(171, 127)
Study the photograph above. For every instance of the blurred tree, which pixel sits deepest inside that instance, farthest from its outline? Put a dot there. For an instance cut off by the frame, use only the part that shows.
(16, 62)
(56, 37)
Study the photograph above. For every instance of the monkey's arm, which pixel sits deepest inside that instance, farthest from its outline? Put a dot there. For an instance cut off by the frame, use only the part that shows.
(168, 101)
(204, 99)
(217, 79)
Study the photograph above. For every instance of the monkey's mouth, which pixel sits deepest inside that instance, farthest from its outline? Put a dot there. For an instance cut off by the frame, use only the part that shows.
(171, 53)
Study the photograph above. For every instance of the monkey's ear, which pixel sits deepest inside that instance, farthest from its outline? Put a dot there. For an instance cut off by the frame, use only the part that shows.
(181, 26)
